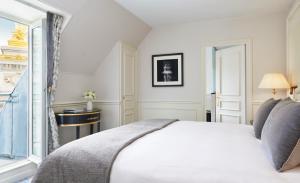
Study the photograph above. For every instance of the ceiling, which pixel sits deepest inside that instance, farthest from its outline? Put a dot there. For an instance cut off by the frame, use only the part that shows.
(96, 26)
(160, 12)
(66, 5)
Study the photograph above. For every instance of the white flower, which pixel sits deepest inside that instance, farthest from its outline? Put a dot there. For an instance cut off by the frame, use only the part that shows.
(89, 95)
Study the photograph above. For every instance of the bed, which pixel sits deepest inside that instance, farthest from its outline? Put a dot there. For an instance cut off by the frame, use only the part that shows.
(176, 152)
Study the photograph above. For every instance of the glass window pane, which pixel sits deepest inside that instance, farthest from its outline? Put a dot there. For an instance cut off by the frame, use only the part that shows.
(37, 91)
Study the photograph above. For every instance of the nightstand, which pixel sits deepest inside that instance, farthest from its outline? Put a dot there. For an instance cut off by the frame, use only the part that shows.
(79, 119)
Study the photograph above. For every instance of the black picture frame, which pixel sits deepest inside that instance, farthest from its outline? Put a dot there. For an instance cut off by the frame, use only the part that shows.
(167, 70)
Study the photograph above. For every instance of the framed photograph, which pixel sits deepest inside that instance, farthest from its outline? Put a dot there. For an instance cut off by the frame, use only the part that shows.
(167, 70)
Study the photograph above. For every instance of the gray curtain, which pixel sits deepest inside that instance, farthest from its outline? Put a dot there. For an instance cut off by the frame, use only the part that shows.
(54, 29)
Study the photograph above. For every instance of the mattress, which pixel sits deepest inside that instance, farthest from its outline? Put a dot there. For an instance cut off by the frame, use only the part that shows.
(195, 152)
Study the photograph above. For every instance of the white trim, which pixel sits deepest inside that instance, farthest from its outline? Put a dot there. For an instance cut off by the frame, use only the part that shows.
(119, 46)
(24, 168)
(183, 110)
(46, 7)
(170, 101)
(291, 14)
(17, 171)
(80, 103)
(15, 19)
(257, 102)
(249, 66)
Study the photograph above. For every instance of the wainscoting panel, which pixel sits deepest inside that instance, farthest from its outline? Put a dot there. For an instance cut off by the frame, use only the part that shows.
(110, 114)
(183, 110)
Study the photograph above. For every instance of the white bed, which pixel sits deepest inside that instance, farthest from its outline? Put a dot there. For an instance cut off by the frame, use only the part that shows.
(195, 152)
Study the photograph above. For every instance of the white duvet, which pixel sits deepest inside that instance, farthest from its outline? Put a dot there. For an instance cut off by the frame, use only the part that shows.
(195, 152)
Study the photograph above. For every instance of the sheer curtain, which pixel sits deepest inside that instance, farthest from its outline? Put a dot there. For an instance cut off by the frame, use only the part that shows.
(54, 30)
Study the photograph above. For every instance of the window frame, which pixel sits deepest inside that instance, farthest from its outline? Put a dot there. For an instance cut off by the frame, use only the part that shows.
(27, 167)
(44, 126)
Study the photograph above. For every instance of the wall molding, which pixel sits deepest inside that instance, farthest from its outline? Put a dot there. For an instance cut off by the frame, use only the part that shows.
(191, 110)
(183, 110)
(289, 19)
(257, 102)
(80, 103)
(170, 101)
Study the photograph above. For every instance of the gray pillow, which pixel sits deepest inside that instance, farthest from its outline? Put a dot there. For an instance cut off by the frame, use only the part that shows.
(262, 115)
(281, 134)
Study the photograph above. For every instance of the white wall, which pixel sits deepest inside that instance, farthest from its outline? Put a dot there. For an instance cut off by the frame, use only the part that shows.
(106, 81)
(106, 78)
(87, 41)
(71, 86)
(268, 38)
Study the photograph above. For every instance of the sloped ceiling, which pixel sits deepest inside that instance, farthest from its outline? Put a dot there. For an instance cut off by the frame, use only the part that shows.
(95, 27)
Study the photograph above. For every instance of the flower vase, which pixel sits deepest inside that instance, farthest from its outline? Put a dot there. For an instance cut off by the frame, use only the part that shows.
(89, 105)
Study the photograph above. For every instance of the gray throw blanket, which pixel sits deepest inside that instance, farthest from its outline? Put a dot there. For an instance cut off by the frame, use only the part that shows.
(90, 159)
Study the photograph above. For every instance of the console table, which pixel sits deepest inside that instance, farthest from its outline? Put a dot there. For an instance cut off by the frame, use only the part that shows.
(79, 119)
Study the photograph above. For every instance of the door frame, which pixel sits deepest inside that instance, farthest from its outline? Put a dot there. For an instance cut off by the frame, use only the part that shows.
(249, 67)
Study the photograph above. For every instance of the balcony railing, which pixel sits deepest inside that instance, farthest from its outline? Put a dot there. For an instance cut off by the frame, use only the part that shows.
(14, 120)
(7, 114)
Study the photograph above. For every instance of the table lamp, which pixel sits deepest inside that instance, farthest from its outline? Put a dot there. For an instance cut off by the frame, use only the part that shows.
(274, 81)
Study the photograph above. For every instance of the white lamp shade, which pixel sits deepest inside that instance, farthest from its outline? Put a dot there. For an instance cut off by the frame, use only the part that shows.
(274, 81)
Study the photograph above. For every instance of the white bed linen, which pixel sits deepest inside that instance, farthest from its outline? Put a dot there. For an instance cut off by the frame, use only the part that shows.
(195, 152)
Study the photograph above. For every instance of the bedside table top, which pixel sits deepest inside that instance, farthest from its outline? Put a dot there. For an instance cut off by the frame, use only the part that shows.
(95, 111)
(78, 118)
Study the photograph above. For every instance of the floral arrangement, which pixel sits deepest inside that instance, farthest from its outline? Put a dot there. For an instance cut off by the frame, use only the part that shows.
(89, 95)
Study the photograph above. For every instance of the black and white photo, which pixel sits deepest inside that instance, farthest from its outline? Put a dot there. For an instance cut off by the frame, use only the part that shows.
(167, 70)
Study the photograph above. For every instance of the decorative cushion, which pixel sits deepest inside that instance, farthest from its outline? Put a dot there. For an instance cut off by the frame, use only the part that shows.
(262, 115)
(281, 135)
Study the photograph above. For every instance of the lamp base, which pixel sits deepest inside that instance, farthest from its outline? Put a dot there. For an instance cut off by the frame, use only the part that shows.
(292, 89)
(274, 92)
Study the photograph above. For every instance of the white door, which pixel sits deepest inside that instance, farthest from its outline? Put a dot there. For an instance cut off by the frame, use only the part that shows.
(230, 85)
(128, 84)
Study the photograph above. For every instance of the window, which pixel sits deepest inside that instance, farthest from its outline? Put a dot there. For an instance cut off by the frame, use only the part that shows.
(22, 91)
(38, 89)
(23, 129)
(13, 91)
